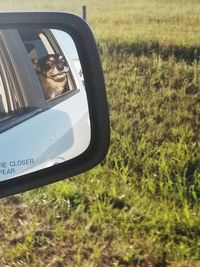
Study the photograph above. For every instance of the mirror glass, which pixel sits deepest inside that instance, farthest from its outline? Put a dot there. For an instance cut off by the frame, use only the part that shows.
(44, 117)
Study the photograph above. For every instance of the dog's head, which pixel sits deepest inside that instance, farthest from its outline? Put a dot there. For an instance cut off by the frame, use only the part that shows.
(52, 66)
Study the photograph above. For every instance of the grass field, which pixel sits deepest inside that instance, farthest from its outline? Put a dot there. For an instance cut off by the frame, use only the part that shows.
(140, 206)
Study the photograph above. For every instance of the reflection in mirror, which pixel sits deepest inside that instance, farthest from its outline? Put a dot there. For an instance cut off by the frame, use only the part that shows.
(51, 52)
(44, 117)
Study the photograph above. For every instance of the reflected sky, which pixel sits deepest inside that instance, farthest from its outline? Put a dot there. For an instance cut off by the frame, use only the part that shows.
(71, 48)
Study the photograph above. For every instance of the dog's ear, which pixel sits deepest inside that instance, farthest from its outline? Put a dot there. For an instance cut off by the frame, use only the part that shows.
(36, 65)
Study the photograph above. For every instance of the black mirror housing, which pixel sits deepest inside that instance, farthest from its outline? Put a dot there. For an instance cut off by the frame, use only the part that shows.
(96, 98)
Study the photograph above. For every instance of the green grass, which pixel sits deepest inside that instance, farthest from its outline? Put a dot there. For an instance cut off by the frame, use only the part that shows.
(140, 206)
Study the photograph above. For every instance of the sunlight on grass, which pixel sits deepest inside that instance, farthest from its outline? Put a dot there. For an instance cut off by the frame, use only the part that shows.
(140, 206)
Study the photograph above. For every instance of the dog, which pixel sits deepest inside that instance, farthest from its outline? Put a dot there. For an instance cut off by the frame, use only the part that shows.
(52, 71)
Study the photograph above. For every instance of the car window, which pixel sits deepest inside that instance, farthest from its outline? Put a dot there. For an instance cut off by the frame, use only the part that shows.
(21, 95)
(3, 102)
(49, 61)
(11, 101)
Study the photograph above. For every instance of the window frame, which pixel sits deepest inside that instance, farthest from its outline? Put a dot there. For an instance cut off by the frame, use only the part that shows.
(57, 49)
(26, 80)
(64, 96)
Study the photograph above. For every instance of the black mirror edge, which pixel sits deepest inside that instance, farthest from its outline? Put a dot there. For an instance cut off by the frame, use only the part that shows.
(96, 93)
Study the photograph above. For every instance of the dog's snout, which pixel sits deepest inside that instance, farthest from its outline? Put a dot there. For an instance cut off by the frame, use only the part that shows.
(60, 67)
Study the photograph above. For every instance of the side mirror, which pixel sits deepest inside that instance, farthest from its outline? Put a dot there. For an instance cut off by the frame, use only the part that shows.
(54, 120)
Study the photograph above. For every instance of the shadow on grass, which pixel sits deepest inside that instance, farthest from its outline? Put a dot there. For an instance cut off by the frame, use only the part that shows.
(187, 53)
